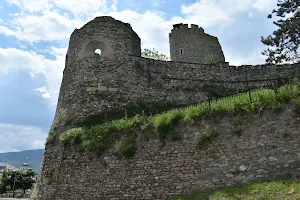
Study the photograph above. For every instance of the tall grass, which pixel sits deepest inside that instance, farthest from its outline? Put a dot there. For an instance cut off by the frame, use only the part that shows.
(279, 189)
(98, 138)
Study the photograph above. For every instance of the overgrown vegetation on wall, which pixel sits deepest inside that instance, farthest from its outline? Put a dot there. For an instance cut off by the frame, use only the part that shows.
(121, 134)
(131, 110)
(206, 136)
(286, 189)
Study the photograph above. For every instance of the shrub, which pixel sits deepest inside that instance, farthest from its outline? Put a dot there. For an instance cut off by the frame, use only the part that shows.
(164, 123)
(47, 180)
(195, 111)
(237, 126)
(67, 121)
(206, 136)
(283, 94)
(73, 136)
(297, 102)
(51, 135)
(126, 147)
(210, 60)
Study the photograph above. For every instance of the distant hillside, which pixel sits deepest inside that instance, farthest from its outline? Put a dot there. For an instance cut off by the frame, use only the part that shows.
(17, 158)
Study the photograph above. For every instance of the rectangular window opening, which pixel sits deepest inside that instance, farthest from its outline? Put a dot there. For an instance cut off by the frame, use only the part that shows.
(181, 51)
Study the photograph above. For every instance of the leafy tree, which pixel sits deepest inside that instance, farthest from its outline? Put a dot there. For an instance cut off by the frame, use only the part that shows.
(17, 180)
(148, 53)
(3, 182)
(284, 41)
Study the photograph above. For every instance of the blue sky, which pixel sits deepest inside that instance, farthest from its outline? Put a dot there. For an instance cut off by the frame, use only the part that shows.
(34, 37)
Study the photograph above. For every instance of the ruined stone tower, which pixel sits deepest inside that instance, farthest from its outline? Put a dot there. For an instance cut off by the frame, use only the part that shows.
(91, 83)
(114, 38)
(192, 45)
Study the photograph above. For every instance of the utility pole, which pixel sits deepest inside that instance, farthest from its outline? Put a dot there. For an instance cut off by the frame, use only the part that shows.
(14, 184)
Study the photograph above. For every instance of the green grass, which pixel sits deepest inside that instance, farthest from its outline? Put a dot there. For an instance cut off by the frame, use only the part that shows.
(97, 138)
(126, 147)
(129, 111)
(205, 137)
(297, 102)
(273, 190)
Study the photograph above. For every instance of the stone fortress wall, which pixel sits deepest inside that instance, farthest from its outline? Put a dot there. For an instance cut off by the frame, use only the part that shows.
(267, 147)
(94, 84)
(87, 89)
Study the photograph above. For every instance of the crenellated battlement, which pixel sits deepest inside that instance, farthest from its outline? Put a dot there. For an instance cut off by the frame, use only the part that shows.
(185, 27)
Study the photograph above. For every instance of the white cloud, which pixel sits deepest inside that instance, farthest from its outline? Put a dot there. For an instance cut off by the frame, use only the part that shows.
(6, 31)
(218, 12)
(49, 26)
(114, 5)
(253, 58)
(79, 7)
(250, 15)
(214, 12)
(265, 5)
(12, 137)
(51, 20)
(15, 59)
(157, 3)
(44, 92)
(32, 6)
(151, 27)
(58, 51)
(76, 7)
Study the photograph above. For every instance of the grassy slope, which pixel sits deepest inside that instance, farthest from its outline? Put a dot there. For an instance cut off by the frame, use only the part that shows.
(98, 138)
(273, 190)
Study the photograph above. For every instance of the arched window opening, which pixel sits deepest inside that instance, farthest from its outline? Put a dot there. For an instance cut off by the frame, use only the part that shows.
(95, 48)
(181, 51)
(98, 51)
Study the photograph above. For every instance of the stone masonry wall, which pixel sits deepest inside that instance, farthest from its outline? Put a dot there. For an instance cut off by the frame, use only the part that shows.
(267, 147)
(98, 84)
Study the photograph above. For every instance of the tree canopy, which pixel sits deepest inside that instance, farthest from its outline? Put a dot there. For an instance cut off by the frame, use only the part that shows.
(16, 180)
(148, 53)
(284, 42)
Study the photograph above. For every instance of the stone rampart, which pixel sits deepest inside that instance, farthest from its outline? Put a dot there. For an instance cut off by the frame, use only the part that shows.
(98, 84)
(267, 147)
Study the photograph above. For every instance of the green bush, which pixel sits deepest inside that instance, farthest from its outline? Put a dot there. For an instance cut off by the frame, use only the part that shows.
(51, 135)
(205, 137)
(126, 147)
(47, 180)
(73, 136)
(297, 102)
(165, 123)
(67, 121)
(210, 60)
